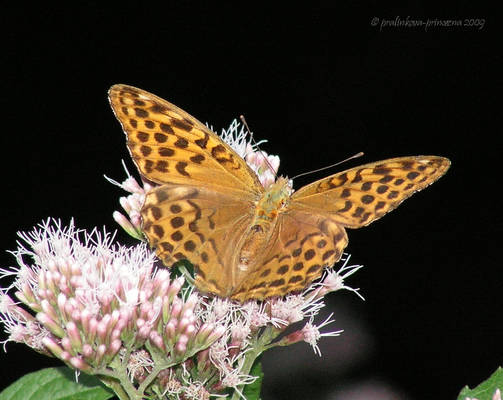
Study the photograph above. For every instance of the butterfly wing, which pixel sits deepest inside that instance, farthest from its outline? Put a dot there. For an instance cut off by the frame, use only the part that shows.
(301, 245)
(170, 146)
(207, 191)
(358, 196)
(201, 225)
(310, 232)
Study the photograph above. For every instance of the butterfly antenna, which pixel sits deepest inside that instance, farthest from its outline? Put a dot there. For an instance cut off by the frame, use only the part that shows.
(243, 120)
(330, 166)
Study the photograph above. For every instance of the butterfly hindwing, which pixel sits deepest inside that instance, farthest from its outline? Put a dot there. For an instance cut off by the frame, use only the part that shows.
(302, 244)
(198, 224)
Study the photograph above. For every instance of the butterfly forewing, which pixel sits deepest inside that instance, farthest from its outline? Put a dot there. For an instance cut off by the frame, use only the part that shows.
(170, 146)
(358, 196)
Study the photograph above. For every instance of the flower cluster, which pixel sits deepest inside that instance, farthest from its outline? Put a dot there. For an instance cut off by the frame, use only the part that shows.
(106, 310)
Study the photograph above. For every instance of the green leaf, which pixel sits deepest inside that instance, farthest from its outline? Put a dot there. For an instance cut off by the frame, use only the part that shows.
(252, 391)
(486, 389)
(186, 269)
(182, 266)
(56, 384)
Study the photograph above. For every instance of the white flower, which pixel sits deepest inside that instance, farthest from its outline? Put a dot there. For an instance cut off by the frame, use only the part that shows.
(264, 165)
(237, 137)
(311, 333)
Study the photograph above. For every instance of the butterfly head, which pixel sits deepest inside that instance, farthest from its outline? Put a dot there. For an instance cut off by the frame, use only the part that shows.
(274, 199)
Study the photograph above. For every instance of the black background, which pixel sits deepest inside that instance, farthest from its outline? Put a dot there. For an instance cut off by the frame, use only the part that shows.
(320, 83)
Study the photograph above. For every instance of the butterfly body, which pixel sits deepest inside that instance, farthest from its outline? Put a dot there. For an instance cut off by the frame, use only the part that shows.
(273, 201)
(246, 241)
(265, 217)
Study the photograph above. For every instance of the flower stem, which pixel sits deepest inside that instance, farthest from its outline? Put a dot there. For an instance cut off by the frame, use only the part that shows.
(261, 344)
(116, 387)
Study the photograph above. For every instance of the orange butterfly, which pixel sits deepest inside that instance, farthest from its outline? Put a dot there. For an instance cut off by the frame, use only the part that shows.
(245, 241)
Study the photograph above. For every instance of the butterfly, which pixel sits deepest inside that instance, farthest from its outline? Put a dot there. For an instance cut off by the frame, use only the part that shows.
(246, 241)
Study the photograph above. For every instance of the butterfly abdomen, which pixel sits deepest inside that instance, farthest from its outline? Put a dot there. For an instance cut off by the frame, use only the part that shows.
(255, 239)
(267, 209)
